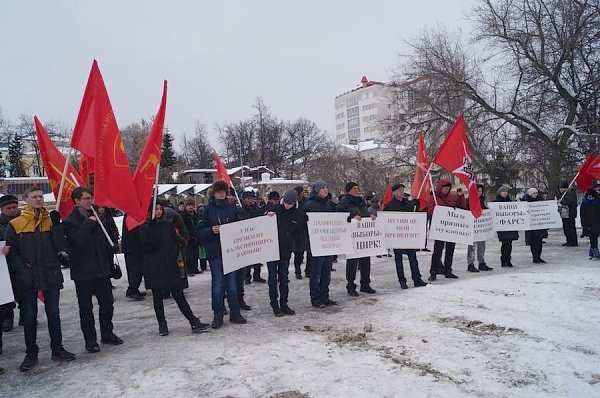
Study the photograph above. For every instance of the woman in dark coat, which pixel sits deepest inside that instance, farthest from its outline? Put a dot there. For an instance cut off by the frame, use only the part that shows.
(590, 220)
(161, 245)
(505, 237)
(535, 236)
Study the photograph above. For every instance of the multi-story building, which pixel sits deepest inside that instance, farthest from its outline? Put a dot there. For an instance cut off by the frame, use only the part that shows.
(359, 111)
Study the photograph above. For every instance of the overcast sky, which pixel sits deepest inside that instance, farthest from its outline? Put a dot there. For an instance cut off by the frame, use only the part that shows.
(217, 56)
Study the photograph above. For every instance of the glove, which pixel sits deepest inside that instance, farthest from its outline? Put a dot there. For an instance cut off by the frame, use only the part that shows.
(55, 217)
(116, 248)
(63, 259)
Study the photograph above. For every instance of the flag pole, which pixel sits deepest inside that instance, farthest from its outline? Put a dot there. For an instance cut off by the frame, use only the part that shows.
(569, 187)
(236, 194)
(432, 190)
(62, 179)
(112, 244)
(155, 199)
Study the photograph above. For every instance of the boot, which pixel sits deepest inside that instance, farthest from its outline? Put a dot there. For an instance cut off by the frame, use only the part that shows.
(299, 276)
(29, 362)
(448, 274)
(403, 284)
(8, 325)
(63, 355)
(471, 268)
(504, 265)
(329, 302)
(419, 282)
(237, 318)
(217, 322)
(198, 327)
(287, 310)
(352, 291)
(367, 289)
(163, 330)
(111, 339)
(591, 253)
(92, 347)
(432, 278)
(484, 267)
(248, 279)
(277, 311)
(244, 306)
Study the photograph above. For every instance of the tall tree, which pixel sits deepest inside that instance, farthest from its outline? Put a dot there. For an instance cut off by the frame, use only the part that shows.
(15, 156)
(168, 158)
(197, 151)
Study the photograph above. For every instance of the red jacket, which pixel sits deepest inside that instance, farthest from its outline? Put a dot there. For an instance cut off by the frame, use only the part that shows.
(449, 199)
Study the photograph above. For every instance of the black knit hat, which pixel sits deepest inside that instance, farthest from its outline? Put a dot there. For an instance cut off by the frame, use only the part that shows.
(397, 186)
(350, 185)
(6, 199)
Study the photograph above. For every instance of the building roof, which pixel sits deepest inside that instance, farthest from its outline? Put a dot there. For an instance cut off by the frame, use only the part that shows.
(364, 83)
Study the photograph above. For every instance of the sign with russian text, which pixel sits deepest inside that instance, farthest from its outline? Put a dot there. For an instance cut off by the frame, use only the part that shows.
(249, 242)
(483, 228)
(329, 234)
(452, 225)
(544, 215)
(6, 291)
(510, 216)
(368, 237)
(404, 230)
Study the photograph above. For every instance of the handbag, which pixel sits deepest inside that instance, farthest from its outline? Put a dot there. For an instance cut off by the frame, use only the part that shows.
(115, 269)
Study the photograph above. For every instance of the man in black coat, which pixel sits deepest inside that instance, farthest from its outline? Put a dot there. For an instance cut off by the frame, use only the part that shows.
(191, 249)
(89, 256)
(568, 213)
(9, 209)
(248, 210)
(356, 206)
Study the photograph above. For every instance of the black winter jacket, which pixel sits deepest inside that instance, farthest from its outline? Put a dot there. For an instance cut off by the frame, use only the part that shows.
(316, 204)
(355, 205)
(291, 226)
(401, 205)
(570, 200)
(217, 212)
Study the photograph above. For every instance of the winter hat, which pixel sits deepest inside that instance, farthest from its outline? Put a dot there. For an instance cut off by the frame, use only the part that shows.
(219, 185)
(531, 191)
(502, 189)
(591, 194)
(290, 196)
(247, 194)
(299, 189)
(395, 187)
(317, 186)
(7, 199)
(190, 201)
(564, 184)
(350, 185)
(275, 195)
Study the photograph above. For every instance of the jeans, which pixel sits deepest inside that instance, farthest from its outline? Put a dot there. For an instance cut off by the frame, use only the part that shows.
(412, 260)
(29, 311)
(102, 289)
(478, 247)
(133, 264)
(320, 277)
(436, 258)
(278, 270)
(364, 264)
(220, 284)
(159, 308)
(191, 254)
(570, 231)
(505, 251)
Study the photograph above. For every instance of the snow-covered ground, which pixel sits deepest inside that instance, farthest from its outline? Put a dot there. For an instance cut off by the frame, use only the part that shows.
(527, 331)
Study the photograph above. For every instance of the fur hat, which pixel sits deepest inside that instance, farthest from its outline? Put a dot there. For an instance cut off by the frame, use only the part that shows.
(395, 187)
(318, 185)
(290, 196)
(350, 185)
(190, 201)
(531, 191)
(219, 185)
(6, 199)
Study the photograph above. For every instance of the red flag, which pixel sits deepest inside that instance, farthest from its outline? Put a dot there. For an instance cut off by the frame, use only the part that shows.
(86, 167)
(593, 168)
(96, 135)
(421, 186)
(585, 180)
(221, 170)
(455, 156)
(54, 163)
(145, 173)
(387, 197)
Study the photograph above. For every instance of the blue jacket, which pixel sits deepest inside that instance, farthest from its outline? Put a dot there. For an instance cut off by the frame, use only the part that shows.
(316, 204)
(217, 212)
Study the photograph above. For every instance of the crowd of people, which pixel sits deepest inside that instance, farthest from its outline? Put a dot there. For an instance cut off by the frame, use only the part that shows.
(175, 244)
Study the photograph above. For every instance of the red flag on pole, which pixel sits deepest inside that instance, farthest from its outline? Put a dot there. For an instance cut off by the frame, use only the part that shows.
(97, 136)
(387, 198)
(221, 170)
(421, 187)
(585, 180)
(593, 168)
(455, 156)
(54, 163)
(86, 166)
(145, 173)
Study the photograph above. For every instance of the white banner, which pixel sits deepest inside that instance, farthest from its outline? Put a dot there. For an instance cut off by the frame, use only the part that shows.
(523, 216)
(404, 230)
(368, 237)
(6, 291)
(329, 234)
(249, 242)
(452, 225)
(483, 229)
(544, 215)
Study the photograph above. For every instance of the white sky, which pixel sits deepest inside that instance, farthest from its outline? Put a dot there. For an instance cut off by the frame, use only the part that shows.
(217, 56)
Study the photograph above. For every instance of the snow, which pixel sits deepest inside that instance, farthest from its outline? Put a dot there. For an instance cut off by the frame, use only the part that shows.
(527, 331)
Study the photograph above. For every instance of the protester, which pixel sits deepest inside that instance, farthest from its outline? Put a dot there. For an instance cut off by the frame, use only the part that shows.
(161, 245)
(355, 205)
(132, 249)
(319, 267)
(568, 213)
(505, 237)
(444, 198)
(478, 248)
(590, 220)
(534, 237)
(290, 226)
(400, 202)
(35, 240)
(301, 245)
(191, 250)
(217, 213)
(90, 254)
(9, 209)
(248, 210)
(272, 201)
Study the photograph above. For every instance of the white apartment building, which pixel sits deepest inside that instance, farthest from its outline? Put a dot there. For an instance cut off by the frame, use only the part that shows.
(357, 112)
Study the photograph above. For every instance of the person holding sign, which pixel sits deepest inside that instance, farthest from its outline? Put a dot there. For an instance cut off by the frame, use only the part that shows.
(590, 220)
(478, 247)
(534, 237)
(319, 267)
(218, 212)
(505, 237)
(354, 204)
(400, 202)
(444, 198)
(290, 227)
(35, 240)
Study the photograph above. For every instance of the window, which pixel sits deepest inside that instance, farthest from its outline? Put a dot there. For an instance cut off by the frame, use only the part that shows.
(352, 101)
(353, 123)
(354, 134)
(369, 118)
(340, 115)
(340, 126)
(369, 107)
(370, 129)
(352, 112)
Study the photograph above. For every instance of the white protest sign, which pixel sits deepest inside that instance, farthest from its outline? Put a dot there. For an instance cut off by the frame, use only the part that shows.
(452, 225)
(483, 229)
(329, 234)
(404, 230)
(368, 237)
(249, 242)
(544, 215)
(6, 291)
(510, 216)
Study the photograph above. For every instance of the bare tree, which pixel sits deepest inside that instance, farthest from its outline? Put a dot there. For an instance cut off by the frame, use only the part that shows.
(197, 151)
(305, 142)
(134, 138)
